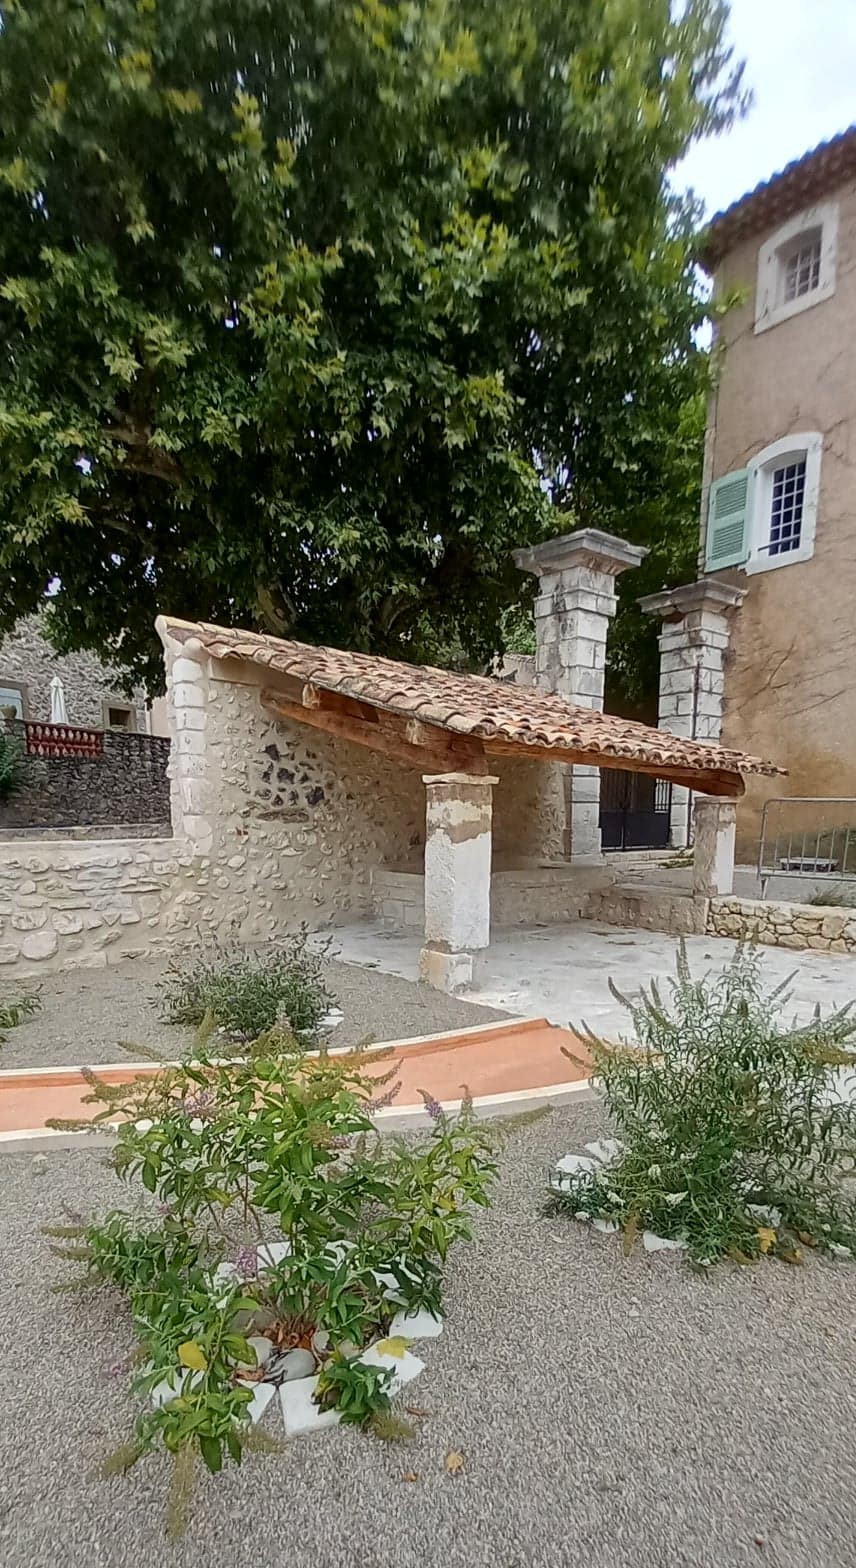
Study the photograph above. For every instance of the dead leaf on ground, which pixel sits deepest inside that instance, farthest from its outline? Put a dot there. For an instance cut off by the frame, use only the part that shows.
(766, 1237)
(410, 1475)
(454, 1462)
(416, 1410)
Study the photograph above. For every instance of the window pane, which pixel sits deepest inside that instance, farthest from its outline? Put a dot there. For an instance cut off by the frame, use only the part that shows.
(802, 268)
(11, 702)
(786, 511)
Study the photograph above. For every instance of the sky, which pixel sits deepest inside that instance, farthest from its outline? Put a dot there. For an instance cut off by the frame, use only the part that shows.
(801, 65)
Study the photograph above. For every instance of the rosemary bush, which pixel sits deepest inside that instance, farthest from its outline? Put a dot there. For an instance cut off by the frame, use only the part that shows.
(275, 1146)
(735, 1138)
(246, 992)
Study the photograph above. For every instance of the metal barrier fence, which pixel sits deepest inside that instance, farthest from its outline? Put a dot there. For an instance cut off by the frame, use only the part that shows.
(800, 837)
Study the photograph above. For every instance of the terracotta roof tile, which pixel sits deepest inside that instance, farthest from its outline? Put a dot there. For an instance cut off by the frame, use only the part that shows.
(474, 705)
(777, 199)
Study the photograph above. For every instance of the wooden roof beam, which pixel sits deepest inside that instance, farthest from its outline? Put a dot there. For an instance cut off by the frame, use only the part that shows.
(453, 754)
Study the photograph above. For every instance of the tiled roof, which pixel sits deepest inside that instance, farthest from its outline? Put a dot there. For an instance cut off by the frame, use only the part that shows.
(777, 199)
(471, 705)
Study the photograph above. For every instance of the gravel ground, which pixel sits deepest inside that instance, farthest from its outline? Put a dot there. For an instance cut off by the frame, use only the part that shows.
(86, 1012)
(613, 1413)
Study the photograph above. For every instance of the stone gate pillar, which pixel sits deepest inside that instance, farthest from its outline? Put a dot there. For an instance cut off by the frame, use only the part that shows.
(695, 637)
(575, 604)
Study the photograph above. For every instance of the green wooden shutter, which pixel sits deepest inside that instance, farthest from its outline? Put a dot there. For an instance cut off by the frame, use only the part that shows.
(728, 520)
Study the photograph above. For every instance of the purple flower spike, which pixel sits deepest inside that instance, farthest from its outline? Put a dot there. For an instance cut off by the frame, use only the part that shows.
(432, 1106)
(201, 1104)
(247, 1262)
(381, 1101)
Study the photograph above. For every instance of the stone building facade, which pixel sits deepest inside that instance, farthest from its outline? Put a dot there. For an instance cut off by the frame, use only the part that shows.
(28, 663)
(773, 669)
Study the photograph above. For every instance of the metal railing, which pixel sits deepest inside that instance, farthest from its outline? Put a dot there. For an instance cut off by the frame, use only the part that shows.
(812, 846)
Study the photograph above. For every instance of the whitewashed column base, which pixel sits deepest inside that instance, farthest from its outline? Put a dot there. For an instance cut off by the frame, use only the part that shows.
(450, 972)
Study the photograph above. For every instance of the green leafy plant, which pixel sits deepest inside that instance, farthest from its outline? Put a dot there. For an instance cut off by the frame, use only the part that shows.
(838, 898)
(735, 1137)
(431, 283)
(274, 1146)
(13, 766)
(17, 1009)
(246, 992)
(357, 1391)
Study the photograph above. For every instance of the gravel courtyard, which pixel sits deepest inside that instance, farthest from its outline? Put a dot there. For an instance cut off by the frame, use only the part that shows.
(612, 1412)
(85, 1013)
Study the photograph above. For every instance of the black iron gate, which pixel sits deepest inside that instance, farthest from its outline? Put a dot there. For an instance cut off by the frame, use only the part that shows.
(635, 810)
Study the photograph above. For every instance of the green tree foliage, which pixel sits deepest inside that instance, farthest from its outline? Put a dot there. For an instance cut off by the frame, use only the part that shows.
(311, 312)
(667, 522)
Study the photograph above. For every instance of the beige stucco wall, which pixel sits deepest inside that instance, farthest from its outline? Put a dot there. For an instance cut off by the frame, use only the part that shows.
(790, 690)
(274, 825)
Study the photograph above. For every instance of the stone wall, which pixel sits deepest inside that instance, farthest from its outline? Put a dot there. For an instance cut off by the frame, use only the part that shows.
(27, 658)
(84, 905)
(816, 926)
(528, 810)
(648, 909)
(519, 896)
(127, 784)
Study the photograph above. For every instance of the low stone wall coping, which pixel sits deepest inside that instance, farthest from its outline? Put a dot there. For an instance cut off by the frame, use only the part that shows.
(821, 927)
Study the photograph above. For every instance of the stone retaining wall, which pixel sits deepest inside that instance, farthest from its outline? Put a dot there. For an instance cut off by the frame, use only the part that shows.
(84, 905)
(127, 783)
(819, 927)
(649, 909)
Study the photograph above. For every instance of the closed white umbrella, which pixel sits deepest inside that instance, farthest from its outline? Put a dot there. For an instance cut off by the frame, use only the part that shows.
(59, 711)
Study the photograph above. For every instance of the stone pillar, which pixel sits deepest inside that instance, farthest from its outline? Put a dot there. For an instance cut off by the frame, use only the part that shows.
(575, 604)
(193, 790)
(457, 877)
(695, 636)
(715, 825)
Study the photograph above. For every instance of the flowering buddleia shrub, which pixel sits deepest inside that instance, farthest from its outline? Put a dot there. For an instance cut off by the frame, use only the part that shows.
(276, 1151)
(738, 1136)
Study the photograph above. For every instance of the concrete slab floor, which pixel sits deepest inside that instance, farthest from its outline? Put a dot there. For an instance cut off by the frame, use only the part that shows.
(561, 972)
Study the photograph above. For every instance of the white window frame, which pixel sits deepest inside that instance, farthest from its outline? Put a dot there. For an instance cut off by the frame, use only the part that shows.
(771, 307)
(807, 445)
(119, 704)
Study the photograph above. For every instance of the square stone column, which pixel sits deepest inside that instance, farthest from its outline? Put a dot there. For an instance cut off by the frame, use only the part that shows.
(457, 877)
(195, 787)
(715, 825)
(693, 643)
(575, 604)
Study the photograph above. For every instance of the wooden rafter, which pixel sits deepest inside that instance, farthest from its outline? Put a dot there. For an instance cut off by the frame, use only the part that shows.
(454, 754)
